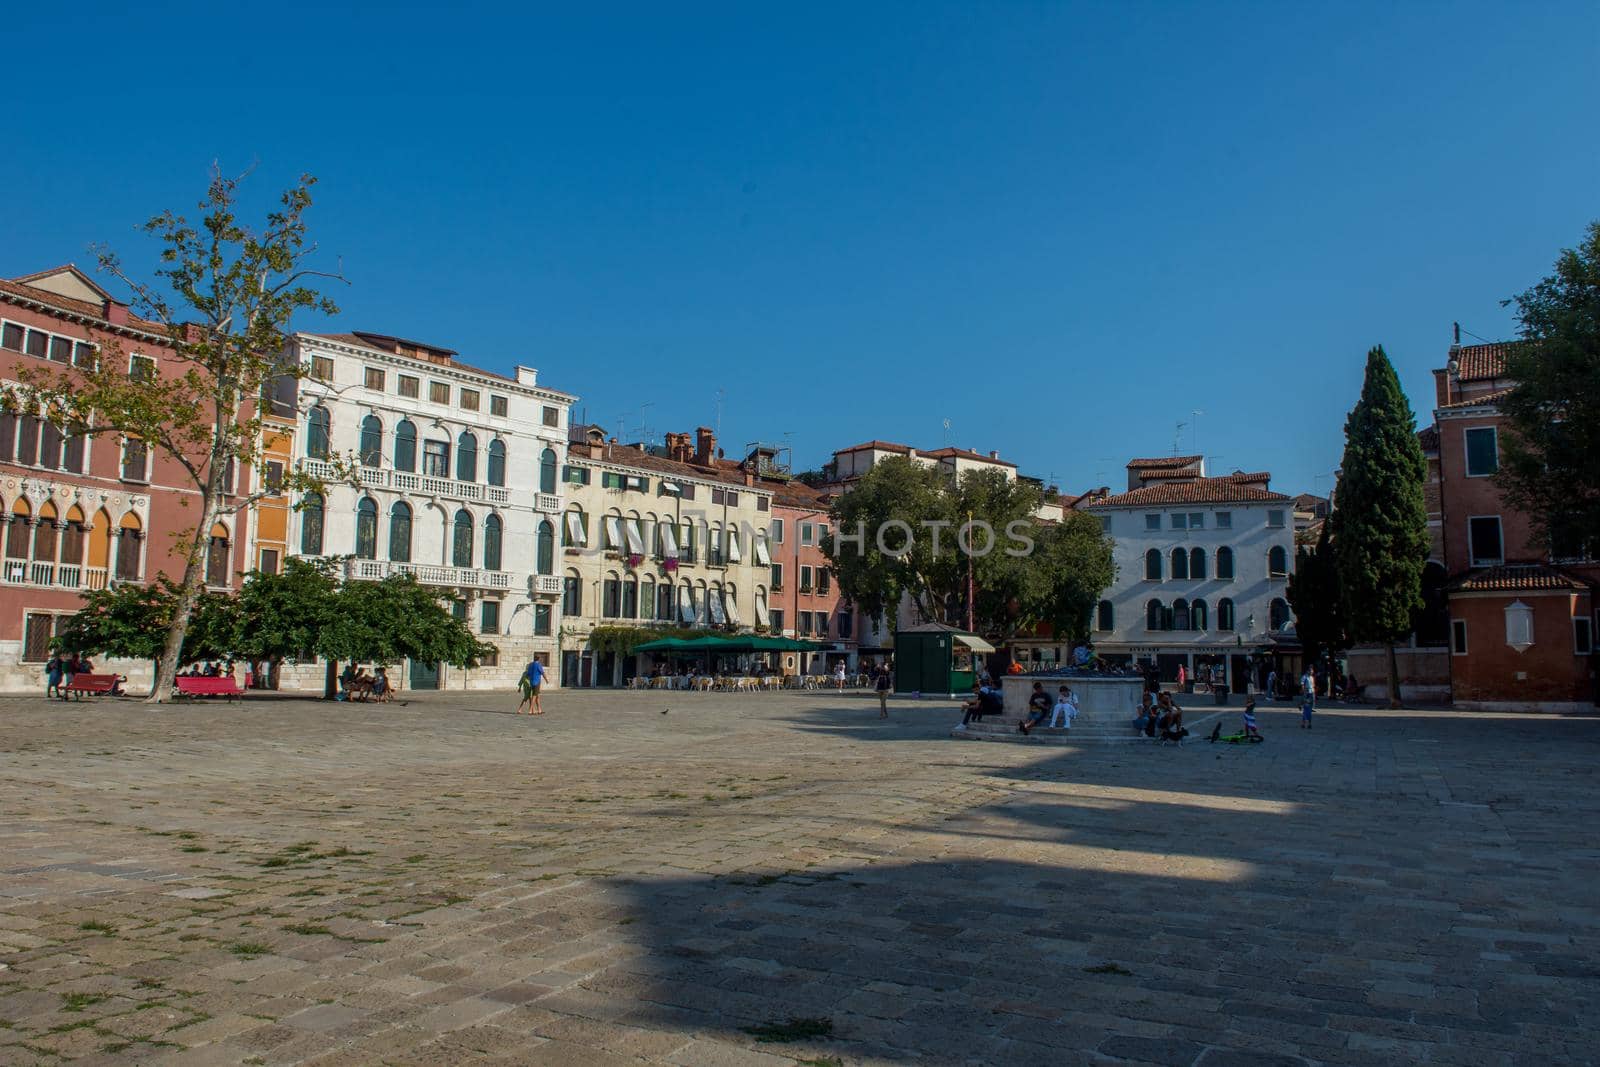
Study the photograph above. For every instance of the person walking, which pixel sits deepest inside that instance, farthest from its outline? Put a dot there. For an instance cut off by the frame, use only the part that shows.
(1272, 685)
(530, 682)
(52, 675)
(881, 684)
(1308, 696)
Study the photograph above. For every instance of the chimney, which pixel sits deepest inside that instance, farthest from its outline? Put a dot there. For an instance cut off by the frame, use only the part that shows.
(705, 446)
(994, 455)
(116, 314)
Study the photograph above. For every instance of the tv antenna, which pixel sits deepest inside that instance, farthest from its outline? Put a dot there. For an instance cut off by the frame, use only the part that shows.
(720, 394)
(1177, 437)
(947, 433)
(1196, 429)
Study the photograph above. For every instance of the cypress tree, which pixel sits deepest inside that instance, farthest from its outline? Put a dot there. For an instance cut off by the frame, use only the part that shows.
(1382, 537)
(1314, 594)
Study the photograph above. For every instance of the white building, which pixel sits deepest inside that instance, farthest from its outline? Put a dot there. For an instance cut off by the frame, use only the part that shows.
(674, 537)
(1202, 569)
(459, 471)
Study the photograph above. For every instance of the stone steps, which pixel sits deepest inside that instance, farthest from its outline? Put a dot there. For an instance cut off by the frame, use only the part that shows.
(1086, 731)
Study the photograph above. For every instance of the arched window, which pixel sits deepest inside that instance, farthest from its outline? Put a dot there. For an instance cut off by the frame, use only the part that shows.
(497, 462)
(1277, 561)
(1180, 614)
(1280, 614)
(1225, 564)
(217, 556)
(547, 471)
(311, 524)
(571, 594)
(647, 597)
(1225, 614)
(1180, 564)
(1152, 566)
(1104, 616)
(17, 533)
(491, 543)
(461, 544)
(405, 446)
(317, 430)
(630, 597)
(400, 532)
(367, 529)
(72, 538)
(371, 442)
(130, 547)
(1197, 564)
(1153, 615)
(547, 548)
(1197, 615)
(466, 458)
(44, 535)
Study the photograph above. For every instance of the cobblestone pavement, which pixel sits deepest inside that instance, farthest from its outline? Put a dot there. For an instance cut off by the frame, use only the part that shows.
(286, 881)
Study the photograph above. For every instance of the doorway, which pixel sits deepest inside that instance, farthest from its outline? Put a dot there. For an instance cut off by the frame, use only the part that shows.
(424, 675)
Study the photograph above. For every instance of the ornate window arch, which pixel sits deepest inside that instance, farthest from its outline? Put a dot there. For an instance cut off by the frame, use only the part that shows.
(371, 452)
(493, 531)
(367, 528)
(1180, 564)
(461, 539)
(496, 472)
(400, 532)
(405, 446)
(466, 457)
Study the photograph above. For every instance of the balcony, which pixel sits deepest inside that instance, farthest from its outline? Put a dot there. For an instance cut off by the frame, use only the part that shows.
(549, 503)
(42, 574)
(429, 574)
(544, 584)
(406, 482)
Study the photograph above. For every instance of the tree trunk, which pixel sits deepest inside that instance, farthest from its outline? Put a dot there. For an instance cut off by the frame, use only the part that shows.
(1394, 678)
(188, 593)
(330, 681)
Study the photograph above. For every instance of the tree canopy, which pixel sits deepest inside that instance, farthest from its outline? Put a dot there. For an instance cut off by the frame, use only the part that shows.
(1551, 456)
(1319, 611)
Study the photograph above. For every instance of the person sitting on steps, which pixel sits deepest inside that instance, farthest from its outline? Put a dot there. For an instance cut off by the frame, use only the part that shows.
(1038, 707)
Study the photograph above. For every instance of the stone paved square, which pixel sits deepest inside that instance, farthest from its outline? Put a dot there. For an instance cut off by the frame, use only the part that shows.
(670, 879)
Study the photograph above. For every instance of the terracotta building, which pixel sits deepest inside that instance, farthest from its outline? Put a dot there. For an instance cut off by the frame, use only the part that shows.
(80, 513)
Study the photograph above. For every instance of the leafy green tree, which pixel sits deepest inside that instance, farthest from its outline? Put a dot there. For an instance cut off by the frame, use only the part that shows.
(1382, 541)
(130, 621)
(1551, 466)
(394, 620)
(223, 296)
(894, 491)
(1319, 612)
(283, 615)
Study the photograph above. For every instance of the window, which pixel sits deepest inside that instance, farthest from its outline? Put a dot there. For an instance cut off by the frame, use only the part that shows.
(1275, 518)
(1483, 540)
(400, 532)
(373, 379)
(408, 385)
(217, 556)
(777, 531)
(1458, 637)
(630, 598)
(498, 406)
(571, 595)
(1105, 524)
(547, 471)
(552, 416)
(1197, 564)
(367, 529)
(469, 400)
(1277, 562)
(805, 578)
(439, 392)
(436, 459)
(458, 609)
(269, 561)
(776, 617)
(1180, 614)
(61, 349)
(763, 503)
(822, 623)
(1224, 520)
(804, 620)
(311, 525)
(11, 337)
(1224, 564)
(611, 598)
(546, 551)
(1152, 523)
(808, 535)
(1278, 614)
(1197, 615)
(461, 541)
(38, 344)
(664, 601)
(1105, 617)
(130, 538)
(491, 543)
(371, 442)
(610, 480)
(489, 621)
(38, 630)
(1197, 520)
(577, 532)
(575, 475)
(777, 576)
(495, 470)
(1180, 565)
(141, 369)
(1582, 635)
(541, 616)
(1152, 565)
(405, 446)
(466, 458)
(322, 368)
(824, 581)
(135, 461)
(1154, 615)
(1225, 614)
(318, 424)
(1180, 522)
(1483, 451)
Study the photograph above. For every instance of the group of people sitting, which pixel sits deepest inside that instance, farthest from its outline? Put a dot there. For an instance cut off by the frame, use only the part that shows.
(205, 669)
(356, 684)
(59, 670)
(1160, 716)
(1052, 712)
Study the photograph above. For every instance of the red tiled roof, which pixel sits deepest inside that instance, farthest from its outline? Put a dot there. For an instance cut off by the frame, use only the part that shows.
(1475, 363)
(1152, 474)
(965, 453)
(1516, 577)
(1198, 491)
(1164, 462)
(83, 308)
(1478, 401)
(1250, 476)
(361, 341)
(630, 456)
(1428, 438)
(876, 446)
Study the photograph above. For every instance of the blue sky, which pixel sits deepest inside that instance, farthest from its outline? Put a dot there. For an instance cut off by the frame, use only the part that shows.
(1062, 227)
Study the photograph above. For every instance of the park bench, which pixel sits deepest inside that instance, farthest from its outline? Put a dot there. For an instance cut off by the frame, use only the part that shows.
(94, 684)
(208, 687)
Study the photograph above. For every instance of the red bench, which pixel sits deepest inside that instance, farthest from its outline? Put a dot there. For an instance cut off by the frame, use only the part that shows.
(94, 684)
(222, 686)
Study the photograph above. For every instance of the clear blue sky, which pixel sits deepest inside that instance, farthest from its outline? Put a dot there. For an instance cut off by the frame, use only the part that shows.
(1062, 227)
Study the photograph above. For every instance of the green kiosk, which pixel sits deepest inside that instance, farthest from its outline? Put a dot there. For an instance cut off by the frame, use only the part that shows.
(936, 659)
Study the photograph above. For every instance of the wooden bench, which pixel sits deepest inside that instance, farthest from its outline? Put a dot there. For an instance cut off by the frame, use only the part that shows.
(208, 687)
(94, 684)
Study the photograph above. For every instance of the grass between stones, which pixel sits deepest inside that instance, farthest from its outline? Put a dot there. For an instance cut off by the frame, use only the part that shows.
(794, 1029)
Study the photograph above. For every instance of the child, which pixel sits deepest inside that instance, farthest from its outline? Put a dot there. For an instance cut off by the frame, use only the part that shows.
(1250, 731)
(1066, 709)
